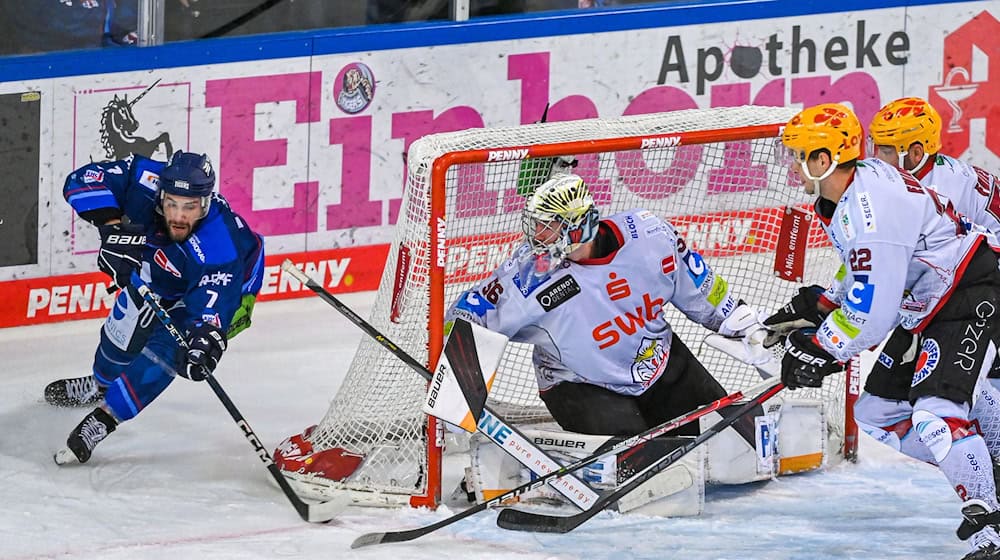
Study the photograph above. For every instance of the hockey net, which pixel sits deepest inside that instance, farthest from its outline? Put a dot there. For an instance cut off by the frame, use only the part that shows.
(713, 173)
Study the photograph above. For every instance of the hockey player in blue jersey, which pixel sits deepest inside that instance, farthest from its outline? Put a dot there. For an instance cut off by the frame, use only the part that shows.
(163, 226)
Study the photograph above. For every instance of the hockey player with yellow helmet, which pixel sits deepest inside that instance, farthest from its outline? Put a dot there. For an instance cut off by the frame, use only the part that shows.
(908, 260)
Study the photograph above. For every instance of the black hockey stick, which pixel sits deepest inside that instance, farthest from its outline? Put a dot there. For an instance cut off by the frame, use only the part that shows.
(320, 512)
(622, 446)
(519, 520)
(575, 490)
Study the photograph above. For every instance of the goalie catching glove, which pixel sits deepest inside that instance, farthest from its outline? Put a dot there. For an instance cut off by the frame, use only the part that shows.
(803, 311)
(744, 321)
(206, 343)
(806, 363)
(121, 251)
(741, 336)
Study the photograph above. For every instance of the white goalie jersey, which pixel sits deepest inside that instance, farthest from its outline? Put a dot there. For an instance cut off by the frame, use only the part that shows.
(601, 320)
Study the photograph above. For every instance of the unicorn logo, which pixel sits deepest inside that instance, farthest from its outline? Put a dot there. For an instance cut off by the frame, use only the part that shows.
(118, 126)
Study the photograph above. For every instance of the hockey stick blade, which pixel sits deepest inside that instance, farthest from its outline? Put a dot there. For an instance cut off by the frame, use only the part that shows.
(514, 442)
(319, 512)
(622, 446)
(518, 520)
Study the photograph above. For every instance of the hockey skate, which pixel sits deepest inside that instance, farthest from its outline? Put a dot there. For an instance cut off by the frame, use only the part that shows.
(84, 438)
(985, 542)
(77, 391)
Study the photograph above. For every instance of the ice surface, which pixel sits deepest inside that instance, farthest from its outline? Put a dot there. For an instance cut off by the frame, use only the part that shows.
(180, 481)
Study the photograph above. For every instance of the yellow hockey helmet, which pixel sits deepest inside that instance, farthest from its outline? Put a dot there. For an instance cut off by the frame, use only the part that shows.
(829, 126)
(904, 121)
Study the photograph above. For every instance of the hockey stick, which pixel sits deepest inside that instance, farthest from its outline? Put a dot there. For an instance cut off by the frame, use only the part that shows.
(512, 440)
(622, 446)
(320, 512)
(518, 520)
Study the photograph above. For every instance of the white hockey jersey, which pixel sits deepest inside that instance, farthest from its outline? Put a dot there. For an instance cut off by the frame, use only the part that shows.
(903, 248)
(974, 191)
(601, 321)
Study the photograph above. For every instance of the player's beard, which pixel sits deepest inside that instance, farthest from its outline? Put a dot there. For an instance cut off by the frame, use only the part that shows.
(178, 231)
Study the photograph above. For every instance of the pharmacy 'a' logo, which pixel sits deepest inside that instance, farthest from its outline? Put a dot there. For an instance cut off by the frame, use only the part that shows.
(970, 85)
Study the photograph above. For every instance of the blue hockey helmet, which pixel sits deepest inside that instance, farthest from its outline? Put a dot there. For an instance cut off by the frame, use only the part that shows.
(188, 174)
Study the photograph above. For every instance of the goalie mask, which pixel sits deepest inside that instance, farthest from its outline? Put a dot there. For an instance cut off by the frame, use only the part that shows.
(904, 122)
(559, 217)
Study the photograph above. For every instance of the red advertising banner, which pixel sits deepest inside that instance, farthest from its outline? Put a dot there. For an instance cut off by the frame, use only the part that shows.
(83, 296)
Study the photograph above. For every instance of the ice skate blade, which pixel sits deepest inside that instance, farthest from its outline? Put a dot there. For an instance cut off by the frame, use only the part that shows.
(65, 456)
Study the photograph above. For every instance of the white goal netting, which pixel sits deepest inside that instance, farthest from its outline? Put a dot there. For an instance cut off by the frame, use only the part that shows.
(713, 173)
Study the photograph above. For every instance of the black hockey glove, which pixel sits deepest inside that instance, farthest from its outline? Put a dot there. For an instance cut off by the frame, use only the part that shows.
(799, 313)
(206, 343)
(121, 251)
(805, 363)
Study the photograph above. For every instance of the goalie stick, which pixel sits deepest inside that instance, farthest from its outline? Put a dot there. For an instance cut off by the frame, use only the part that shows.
(531, 456)
(519, 520)
(627, 444)
(319, 512)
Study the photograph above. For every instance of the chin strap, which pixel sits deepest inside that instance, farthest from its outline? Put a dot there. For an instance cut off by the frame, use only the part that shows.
(816, 180)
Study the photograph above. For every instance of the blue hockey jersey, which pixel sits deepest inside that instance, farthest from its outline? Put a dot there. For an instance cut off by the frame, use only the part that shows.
(220, 261)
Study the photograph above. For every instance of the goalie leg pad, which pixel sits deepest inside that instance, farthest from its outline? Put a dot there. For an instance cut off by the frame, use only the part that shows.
(677, 491)
(786, 436)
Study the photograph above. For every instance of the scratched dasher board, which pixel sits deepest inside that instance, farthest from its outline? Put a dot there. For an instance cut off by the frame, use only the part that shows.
(19, 144)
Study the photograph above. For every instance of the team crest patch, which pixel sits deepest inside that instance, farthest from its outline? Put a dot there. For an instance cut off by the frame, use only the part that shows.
(927, 360)
(650, 360)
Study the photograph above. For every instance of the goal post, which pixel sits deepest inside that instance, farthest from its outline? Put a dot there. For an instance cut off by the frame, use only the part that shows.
(715, 174)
